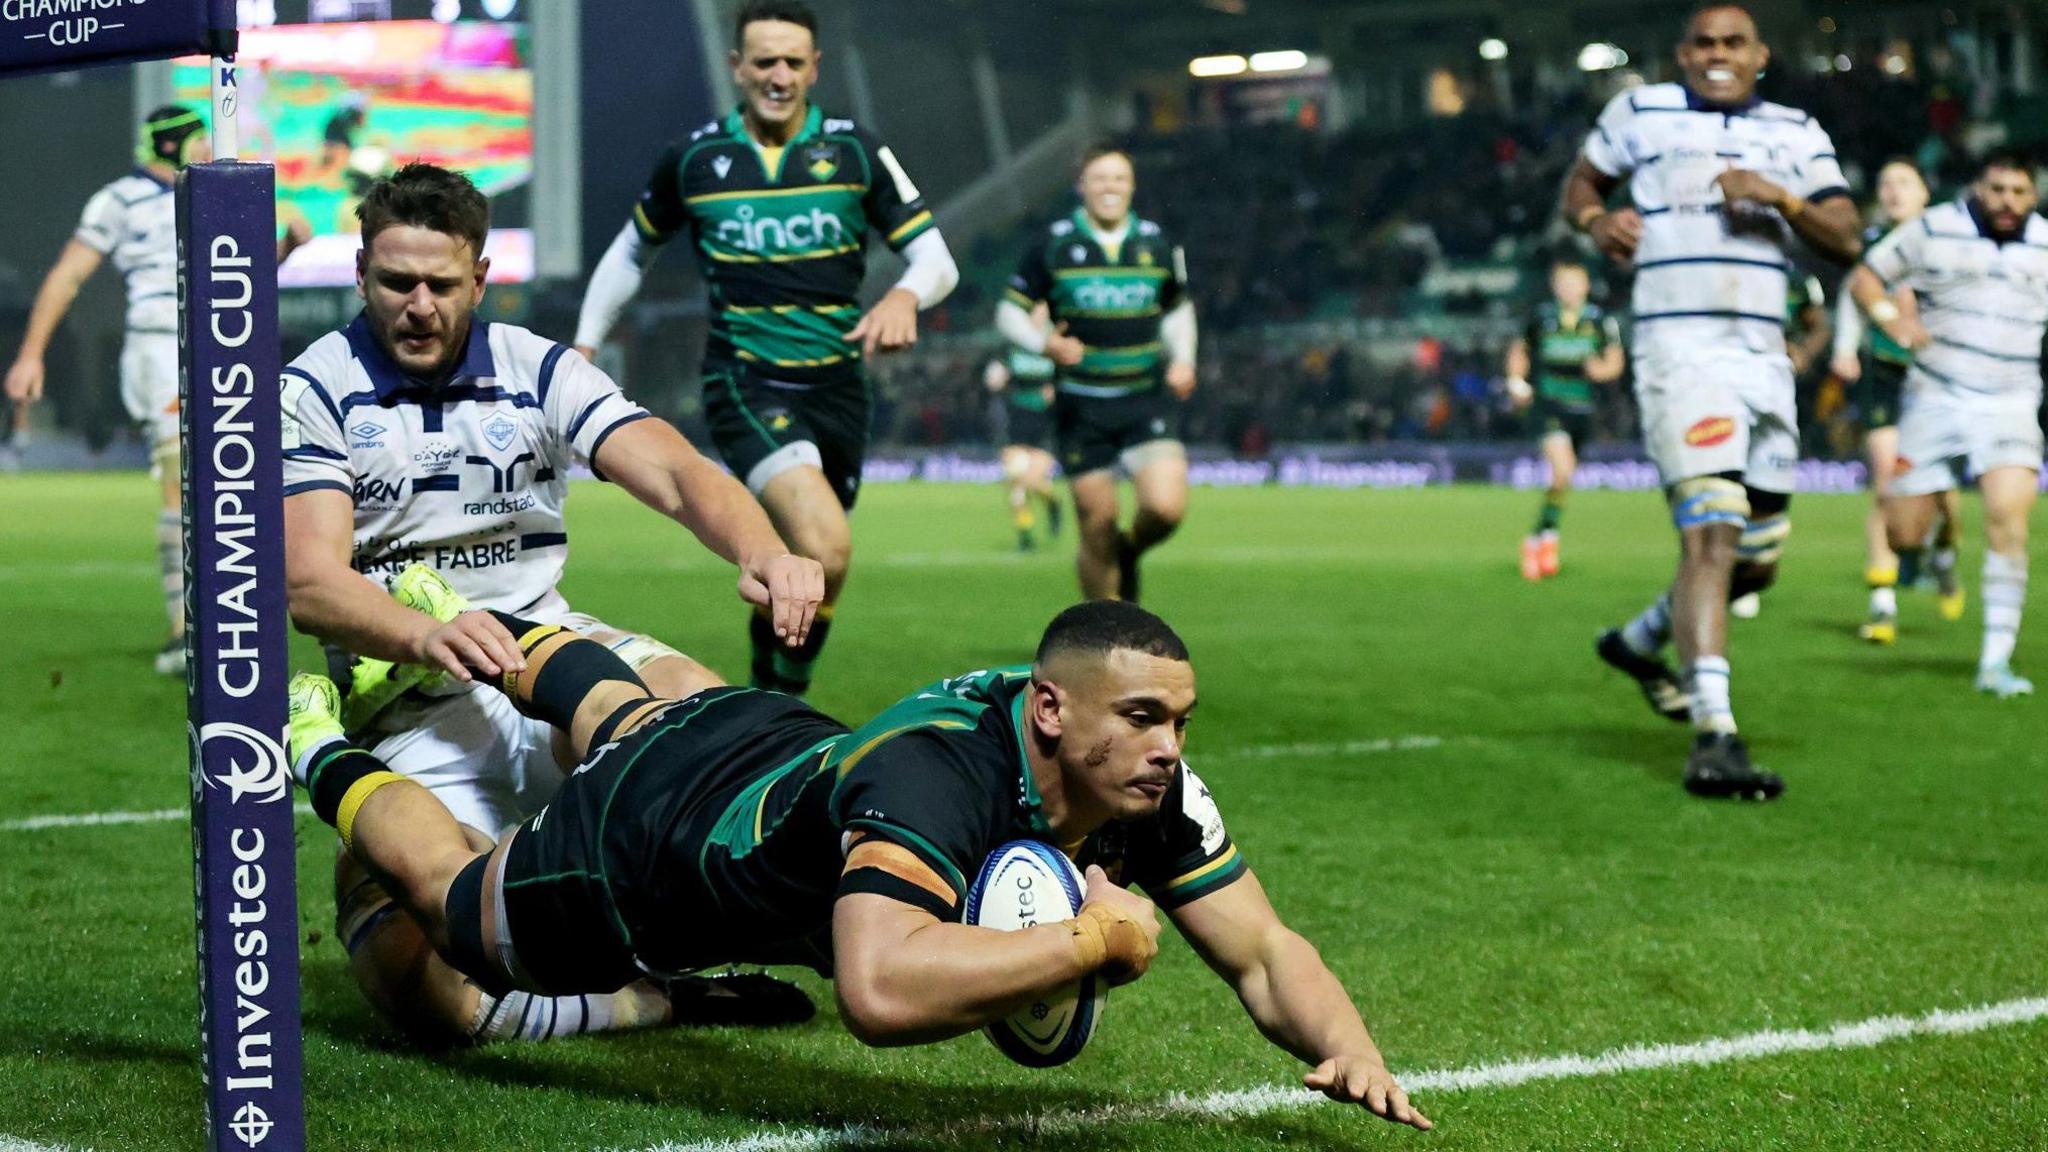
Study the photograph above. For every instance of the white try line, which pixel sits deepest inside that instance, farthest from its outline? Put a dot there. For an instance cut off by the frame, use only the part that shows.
(1249, 752)
(1507, 1074)
(100, 819)
(10, 1144)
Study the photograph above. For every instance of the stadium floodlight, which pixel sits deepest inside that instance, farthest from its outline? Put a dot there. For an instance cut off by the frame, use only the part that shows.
(1217, 66)
(1289, 60)
(1493, 48)
(1600, 57)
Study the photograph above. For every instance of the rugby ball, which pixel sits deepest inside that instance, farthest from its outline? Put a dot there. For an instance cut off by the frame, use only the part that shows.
(1024, 883)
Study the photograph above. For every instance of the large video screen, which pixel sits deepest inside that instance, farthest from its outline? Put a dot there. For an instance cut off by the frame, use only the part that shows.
(335, 106)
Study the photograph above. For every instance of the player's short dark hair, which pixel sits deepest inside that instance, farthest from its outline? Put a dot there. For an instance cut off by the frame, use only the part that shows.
(1566, 258)
(1697, 10)
(1101, 148)
(427, 196)
(2010, 159)
(787, 11)
(1099, 627)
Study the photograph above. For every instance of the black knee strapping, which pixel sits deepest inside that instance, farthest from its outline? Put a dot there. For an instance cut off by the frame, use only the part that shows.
(465, 913)
(568, 673)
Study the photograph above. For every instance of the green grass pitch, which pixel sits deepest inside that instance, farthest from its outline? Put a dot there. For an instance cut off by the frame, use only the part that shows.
(1527, 881)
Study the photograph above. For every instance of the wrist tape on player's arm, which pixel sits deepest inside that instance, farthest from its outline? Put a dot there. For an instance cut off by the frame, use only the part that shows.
(1107, 939)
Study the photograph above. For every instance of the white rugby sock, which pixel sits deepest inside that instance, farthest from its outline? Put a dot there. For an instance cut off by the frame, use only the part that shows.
(2005, 593)
(1711, 711)
(170, 558)
(1884, 601)
(1647, 634)
(525, 1016)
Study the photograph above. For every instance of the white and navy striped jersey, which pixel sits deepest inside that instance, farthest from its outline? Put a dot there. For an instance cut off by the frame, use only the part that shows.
(134, 222)
(1985, 303)
(1705, 276)
(468, 476)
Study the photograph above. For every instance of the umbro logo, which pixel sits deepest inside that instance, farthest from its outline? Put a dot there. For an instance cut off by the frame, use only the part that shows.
(721, 165)
(366, 434)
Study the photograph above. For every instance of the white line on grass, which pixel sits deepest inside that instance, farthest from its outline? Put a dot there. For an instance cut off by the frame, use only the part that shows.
(10, 1144)
(97, 819)
(1507, 1074)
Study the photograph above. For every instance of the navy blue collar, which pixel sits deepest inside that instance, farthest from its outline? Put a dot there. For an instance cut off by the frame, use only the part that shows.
(389, 379)
(153, 178)
(1695, 102)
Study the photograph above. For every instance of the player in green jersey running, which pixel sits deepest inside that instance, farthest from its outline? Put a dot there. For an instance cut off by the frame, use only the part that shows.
(778, 199)
(1124, 340)
(1022, 383)
(1569, 346)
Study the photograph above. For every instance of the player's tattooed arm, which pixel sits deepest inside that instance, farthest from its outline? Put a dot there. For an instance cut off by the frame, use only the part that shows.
(651, 460)
(1293, 997)
(330, 600)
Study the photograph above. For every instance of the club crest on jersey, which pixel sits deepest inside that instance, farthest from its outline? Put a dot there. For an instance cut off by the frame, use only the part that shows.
(1710, 431)
(1144, 258)
(1078, 253)
(499, 430)
(365, 435)
(721, 165)
(779, 422)
(821, 160)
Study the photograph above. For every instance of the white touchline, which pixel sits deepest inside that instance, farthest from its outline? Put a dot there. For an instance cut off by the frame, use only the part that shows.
(97, 819)
(1248, 752)
(10, 1144)
(1507, 1074)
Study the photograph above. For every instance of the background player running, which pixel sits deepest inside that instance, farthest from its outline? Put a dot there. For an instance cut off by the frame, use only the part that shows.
(1875, 365)
(740, 824)
(422, 434)
(1569, 346)
(1023, 384)
(1720, 182)
(1979, 268)
(1124, 342)
(778, 199)
(133, 222)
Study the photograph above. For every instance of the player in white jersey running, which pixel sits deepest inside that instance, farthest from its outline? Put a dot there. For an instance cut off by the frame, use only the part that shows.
(1978, 268)
(1720, 182)
(133, 221)
(421, 435)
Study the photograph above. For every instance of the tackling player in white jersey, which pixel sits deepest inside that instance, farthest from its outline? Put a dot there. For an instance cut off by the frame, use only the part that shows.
(1720, 183)
(133, 222)
(422, 435)
(1978, 268)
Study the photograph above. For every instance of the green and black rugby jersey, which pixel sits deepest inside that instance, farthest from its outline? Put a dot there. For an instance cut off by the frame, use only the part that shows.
(1030, 372)
(1559, 347)
(760, 830)
(781, 236)
(1110, 296)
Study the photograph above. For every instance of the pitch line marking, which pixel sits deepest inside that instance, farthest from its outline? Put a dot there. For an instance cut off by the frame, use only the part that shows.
(102, 819)
(1246, 752)
(1505, 1074)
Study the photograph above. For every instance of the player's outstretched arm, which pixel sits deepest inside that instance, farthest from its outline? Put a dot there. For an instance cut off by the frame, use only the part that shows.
(904, 976)
(1293, 997)
(651, 460)
(74, 265)
(330, 600)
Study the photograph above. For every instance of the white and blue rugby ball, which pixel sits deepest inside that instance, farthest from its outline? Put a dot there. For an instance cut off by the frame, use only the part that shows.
(1024, 883)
